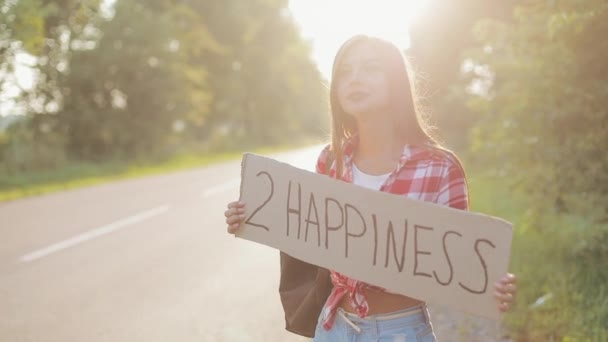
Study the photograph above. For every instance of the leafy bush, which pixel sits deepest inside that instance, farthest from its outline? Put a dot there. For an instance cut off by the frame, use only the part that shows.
(560, 261)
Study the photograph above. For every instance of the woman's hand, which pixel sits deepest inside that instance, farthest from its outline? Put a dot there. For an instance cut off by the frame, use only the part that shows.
(505, 290)
(234, 216)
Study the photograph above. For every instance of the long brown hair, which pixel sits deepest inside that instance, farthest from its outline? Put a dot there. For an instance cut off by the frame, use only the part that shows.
(408, 120)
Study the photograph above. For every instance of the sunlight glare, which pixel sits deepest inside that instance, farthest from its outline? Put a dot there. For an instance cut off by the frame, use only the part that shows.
(328, 23)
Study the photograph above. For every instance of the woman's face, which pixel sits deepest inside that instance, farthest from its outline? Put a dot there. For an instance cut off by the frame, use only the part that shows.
(361, 82)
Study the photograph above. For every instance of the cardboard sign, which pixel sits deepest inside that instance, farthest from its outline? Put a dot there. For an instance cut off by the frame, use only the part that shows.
(411, 247)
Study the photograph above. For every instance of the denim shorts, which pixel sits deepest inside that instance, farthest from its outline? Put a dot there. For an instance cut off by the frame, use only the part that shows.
(409, 325)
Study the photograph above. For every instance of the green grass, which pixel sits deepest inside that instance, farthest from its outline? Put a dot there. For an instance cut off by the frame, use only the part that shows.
(82, 174)
(562, 257)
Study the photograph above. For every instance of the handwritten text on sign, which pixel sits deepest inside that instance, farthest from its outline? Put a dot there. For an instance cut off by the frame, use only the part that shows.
(419, 249)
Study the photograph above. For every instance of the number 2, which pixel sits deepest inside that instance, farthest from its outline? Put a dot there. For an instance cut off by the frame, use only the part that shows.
(248, 220)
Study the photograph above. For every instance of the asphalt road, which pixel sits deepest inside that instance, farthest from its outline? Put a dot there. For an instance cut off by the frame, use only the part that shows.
(139, 260)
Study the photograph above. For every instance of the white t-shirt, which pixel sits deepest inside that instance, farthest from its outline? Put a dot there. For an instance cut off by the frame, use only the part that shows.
(368, 181)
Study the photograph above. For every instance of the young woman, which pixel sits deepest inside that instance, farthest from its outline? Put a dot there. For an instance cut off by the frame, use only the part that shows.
(380, 141)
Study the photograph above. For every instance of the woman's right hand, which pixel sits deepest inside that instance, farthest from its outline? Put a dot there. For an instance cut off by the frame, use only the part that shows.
(234, 215)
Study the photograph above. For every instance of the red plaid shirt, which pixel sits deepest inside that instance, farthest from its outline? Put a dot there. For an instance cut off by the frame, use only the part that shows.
(424, 172)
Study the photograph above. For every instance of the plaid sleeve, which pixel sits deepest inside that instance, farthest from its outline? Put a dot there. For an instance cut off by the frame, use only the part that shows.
(453, 190)
(322, 160)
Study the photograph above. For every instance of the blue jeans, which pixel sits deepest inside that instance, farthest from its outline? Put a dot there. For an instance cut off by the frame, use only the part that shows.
(410, 325)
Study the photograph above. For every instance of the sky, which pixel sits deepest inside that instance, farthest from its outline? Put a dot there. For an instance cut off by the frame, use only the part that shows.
(328, 23)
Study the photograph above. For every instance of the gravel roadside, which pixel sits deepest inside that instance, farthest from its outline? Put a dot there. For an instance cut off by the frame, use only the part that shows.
(454, 326)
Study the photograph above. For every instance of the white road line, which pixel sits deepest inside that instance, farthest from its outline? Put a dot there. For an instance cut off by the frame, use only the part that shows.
(95, 233)
(229, 185)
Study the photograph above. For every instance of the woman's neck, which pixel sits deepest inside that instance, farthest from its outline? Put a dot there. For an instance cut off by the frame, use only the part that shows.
(379, 146)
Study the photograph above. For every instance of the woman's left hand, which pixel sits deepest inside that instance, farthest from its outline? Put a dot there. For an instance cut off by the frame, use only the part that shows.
(505, 290)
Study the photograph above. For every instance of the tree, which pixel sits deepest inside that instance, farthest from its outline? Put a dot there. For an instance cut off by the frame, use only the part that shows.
(21, 31)
(155, 76)
(543, 124)
(267, 87)
(130, 89)
(545, 108)
(439, 39)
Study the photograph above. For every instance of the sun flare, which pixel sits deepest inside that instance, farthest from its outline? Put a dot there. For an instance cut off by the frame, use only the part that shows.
(328, 23)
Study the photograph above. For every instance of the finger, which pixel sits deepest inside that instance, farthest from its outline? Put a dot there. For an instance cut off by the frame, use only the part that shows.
(498, 286)
(509, 287)
(509, 278)
(236, 204)
(504, 307)
(503, 297)
(234, 211)
(230, 212)
(231, 220)
(235, 219)
(233, 228)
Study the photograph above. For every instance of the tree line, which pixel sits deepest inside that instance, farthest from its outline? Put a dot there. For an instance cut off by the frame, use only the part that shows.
(127, 79)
